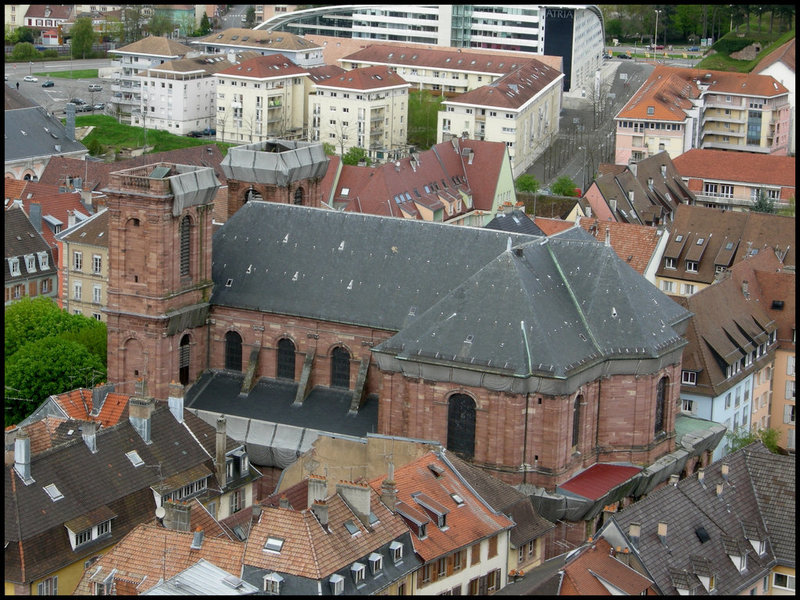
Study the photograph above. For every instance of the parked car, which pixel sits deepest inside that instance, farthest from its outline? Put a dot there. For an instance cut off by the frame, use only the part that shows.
(48, 83)
(195, 134)
(99, 106)
(30, 78)
(209, 131)
(95, 87)
(77, 101)
(624, 56)
(694, 49)
(657, 47)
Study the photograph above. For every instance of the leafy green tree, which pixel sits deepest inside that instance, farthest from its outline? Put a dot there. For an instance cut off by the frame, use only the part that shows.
(743, 437)
(160, 24)
(328, 148)
(564, 186)
(83, 37)
(24, 51)
(93, 336)
(763, 203)
(527, 183)
(205, 25)
(250, 17)
(25, 34)
(51, 365)
(131, 23)
(354, 155)
(94, 147)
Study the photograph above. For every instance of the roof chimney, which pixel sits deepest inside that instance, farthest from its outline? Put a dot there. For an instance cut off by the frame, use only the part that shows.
(89, 434)
(175, 400)
(140, 413)
(99, 394)
(701, 476)
(662, 532)
(320, 509)
(35, 216)
(197, 541)
(673, 479)
(746, 289)
(283, 502)
(389, 490)
(317, 489)
(608, 236)
(724, 471)
(219, 455)
(70, 218)
(22, 456)
(177, 515)
(719, 489)
(634, 530)
(356, 496)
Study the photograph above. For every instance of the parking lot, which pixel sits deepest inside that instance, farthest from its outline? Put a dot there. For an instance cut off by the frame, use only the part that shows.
(55, 98)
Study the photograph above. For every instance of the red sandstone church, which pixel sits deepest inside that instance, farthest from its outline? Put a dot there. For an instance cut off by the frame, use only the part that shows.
(534, 358)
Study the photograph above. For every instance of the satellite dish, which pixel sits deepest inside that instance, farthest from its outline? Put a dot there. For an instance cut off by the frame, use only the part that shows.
(161, 512)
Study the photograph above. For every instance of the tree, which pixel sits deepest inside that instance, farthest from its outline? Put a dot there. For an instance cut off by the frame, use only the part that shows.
(743, 437)
(527, 183)
(205, 25)
(329, 149)
(763, 204)
(131, 23)
(564, 186)
(51, 365)
(250, 17)
(24, 34)
(24, 51)
(83, 37)
(160, 24)
(354, 156)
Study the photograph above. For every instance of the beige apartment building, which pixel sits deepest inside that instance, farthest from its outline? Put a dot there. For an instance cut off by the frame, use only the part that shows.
(520, 109)
(84, 267)
(261, 98)
(365, 108)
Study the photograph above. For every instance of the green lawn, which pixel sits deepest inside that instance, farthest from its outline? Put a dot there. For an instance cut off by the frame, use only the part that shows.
(81, 74)
(113, 135)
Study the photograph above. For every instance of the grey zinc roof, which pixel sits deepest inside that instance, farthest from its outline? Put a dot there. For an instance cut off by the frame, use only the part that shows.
(370, 270)
(275, 162)
(33, 132)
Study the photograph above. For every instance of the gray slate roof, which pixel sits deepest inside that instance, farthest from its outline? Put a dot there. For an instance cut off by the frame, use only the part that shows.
(21, 238)
(437, 284)
(44, 135)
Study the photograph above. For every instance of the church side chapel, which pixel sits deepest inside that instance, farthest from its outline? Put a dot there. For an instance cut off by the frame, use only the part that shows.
(531, 357)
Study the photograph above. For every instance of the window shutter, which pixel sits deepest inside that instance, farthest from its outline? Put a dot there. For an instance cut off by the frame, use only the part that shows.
(787, 413)
(450, 565)
(435, 572)
(789, 391)
(419, 576)
(483, 586)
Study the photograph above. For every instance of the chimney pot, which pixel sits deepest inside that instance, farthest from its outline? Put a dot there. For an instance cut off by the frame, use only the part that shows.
(89, 434)
(724, 470)
(221, 446)
(22, 456)
(175, 400)
(317, 489)
(140, 413)
(662, 531)
(320, 509)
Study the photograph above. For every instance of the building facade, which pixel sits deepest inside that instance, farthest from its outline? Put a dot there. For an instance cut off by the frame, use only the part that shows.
(575, 33)
(30, 269)
(299, 50)
(365, 108)
(84, 267)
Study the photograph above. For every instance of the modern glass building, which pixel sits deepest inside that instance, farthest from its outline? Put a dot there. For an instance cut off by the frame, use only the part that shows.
(573, 32)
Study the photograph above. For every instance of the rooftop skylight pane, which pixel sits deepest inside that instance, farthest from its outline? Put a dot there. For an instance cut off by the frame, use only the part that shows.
(134, 457)
(53, 492)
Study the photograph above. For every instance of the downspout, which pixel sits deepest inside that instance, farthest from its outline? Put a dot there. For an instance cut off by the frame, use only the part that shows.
(527, 403)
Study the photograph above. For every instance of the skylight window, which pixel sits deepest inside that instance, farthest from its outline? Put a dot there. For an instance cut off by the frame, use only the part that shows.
(345, 191)
(700, 241)
(457, 499)
(135, 459)
(351, 527)
(273, 545)
(53, 492)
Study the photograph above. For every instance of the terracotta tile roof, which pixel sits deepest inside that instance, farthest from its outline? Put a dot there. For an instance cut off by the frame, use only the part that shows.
(93, 231)
(668, 91)
(46, 434)
(154, 46)
(784, 53)
(14, 189)
(200, 518)
(50, 11)
(265, 67)
(740, 167)
(552, 226)
(514, 90)
(324, 73)
(210, 63)
(597, 480)
(258, 39)
(365, 78)
(150, 553)
(309, 550)
(56, 205)
(634, 244)
(467, 523)
(587, 572)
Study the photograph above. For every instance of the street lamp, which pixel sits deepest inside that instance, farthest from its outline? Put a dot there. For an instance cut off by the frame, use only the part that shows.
(655, 37)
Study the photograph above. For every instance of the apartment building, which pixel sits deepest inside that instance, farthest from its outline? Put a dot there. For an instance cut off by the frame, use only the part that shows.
(365, 108)
(520, 109)
(261, 98)
(29, 268)
(299, 50)
(133, 62)
(180, 96)
(735, 180)
(575, 33)
(84, 266)
(677, 109)
(14, 15)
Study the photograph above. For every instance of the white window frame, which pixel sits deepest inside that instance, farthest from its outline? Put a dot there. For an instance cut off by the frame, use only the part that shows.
(48, 587)
(689, 377)
(77, 261)
(790, 582)
(97, 264)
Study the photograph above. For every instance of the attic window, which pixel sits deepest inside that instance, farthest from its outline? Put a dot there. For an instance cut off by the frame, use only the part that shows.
(53, 492)
(273, 545)
(272, 584)
(358, 570)
(457, 499)
(777, 305)
(229, 283)
(135, 459)
(396, 548)
(702, 535)
(678, 238)
(436, 470)
(700, 241)
(337, 584)
(351, 527)
(345, 191)
(729, 246)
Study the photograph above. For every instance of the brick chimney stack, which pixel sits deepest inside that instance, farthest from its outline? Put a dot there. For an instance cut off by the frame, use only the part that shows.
(222, 441)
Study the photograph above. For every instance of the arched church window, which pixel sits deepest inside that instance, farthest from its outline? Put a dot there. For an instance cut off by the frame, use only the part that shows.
(576, 421)
(340, 367)
(186, 225)
(286, 359)
(661, 393)
(298, 196)
(233, 351)
(461, 426)
(183, 360)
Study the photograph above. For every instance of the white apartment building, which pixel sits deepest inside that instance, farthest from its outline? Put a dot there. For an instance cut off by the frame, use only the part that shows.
(573, 32)
(180, 96)
(261, 98)
(299, 50)
(366, 107)
(520, 109)
(133, 62)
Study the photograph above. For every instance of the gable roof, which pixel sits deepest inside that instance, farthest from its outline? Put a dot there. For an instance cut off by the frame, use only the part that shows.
(364, 78)
(258, 39)
(738, 167)
(784, 53)
(513, 219)
(21, 238)
(634, 244)
(741, 512)
(595, 571)
(153, 45)
(264, 67)
(467, 523)
(150, 554)
(33, 132)
(15, 100)
(91, 231)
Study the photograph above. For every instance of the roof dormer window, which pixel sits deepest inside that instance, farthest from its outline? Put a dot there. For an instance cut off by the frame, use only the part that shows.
(337, 584)
(396, 548)
(375, 563)
(13, 266)
(358, 571)
(43, 262)
(272, 584)
(30, 263)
